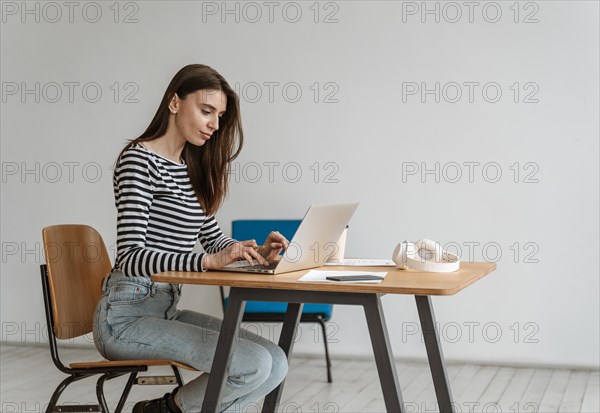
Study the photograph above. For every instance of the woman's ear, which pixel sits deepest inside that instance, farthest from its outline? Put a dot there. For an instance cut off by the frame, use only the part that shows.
(174, 104)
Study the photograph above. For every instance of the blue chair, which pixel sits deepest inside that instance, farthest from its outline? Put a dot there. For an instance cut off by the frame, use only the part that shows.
(257, 311)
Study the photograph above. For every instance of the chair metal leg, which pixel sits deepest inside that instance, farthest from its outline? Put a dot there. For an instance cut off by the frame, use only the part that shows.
(100, 392)
(59, 389)
(177, 375)
(324, 328)
(126, 391)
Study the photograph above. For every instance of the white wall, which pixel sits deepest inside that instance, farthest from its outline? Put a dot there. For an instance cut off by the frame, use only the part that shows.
(540, 306)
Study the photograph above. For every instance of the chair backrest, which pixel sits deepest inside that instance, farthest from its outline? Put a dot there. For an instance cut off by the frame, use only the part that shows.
(77, 261)
(259, 229)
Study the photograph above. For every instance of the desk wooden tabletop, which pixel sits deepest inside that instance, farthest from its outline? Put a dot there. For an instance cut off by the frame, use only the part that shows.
(396, 282)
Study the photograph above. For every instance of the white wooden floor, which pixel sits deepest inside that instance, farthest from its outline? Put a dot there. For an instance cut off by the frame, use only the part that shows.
(28, 378)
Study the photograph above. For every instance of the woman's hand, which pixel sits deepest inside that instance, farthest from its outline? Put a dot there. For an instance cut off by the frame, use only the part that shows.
(245, 250)
(273, 245)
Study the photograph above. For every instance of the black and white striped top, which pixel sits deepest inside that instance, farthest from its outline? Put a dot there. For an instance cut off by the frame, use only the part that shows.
(159, 217)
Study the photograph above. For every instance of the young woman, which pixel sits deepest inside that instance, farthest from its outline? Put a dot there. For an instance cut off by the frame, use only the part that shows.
(168, 185)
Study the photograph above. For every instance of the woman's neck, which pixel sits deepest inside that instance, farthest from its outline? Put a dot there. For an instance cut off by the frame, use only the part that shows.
(167, 146)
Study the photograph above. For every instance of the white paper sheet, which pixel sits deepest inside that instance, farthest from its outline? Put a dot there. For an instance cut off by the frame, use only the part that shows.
(318, 275)
(363, 262)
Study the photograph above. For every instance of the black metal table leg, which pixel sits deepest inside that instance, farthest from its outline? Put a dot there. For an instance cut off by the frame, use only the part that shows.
(233, 316)
(434, 354)
(224, 351)
(286, 342)
(383, 354)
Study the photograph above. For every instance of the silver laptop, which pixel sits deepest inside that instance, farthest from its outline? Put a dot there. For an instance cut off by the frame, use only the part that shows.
(314, 241)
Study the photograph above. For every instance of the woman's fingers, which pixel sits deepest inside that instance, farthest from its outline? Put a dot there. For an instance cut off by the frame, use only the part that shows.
(249, 243)
(273, 245)
(282, 243)
(246, 255)
(249, 254)
(236, 252)
(261, 260)
(275, 237)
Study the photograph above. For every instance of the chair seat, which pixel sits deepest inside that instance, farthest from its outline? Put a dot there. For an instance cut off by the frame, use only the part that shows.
(269, 307)
(128, 363)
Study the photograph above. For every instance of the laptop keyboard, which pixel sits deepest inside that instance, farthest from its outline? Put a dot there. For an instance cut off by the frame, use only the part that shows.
(256, 266)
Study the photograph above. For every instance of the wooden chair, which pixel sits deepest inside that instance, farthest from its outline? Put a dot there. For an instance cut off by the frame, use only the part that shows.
(76, 263)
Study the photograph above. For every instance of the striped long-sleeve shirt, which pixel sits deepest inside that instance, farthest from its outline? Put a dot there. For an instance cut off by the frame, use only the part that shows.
(159, 217)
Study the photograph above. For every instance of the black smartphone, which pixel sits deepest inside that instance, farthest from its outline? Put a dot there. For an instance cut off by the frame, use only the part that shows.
(365, 277)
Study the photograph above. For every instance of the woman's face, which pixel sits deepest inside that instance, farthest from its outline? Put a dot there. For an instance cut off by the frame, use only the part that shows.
(197, 116)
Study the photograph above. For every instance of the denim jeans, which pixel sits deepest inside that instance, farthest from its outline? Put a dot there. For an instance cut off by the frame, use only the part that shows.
(138, 319)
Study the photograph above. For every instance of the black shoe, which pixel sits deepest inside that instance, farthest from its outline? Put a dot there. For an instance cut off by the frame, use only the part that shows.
(165, 404)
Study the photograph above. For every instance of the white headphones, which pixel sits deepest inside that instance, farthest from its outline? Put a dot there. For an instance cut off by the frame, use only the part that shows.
(425, 255)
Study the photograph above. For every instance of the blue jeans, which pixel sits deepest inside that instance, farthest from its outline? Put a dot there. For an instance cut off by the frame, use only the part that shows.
(138, 319)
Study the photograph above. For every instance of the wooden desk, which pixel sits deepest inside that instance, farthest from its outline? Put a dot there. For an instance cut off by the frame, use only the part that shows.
(286, 288)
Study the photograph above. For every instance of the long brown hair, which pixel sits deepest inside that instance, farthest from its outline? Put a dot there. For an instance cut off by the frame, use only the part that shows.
(208, 165)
